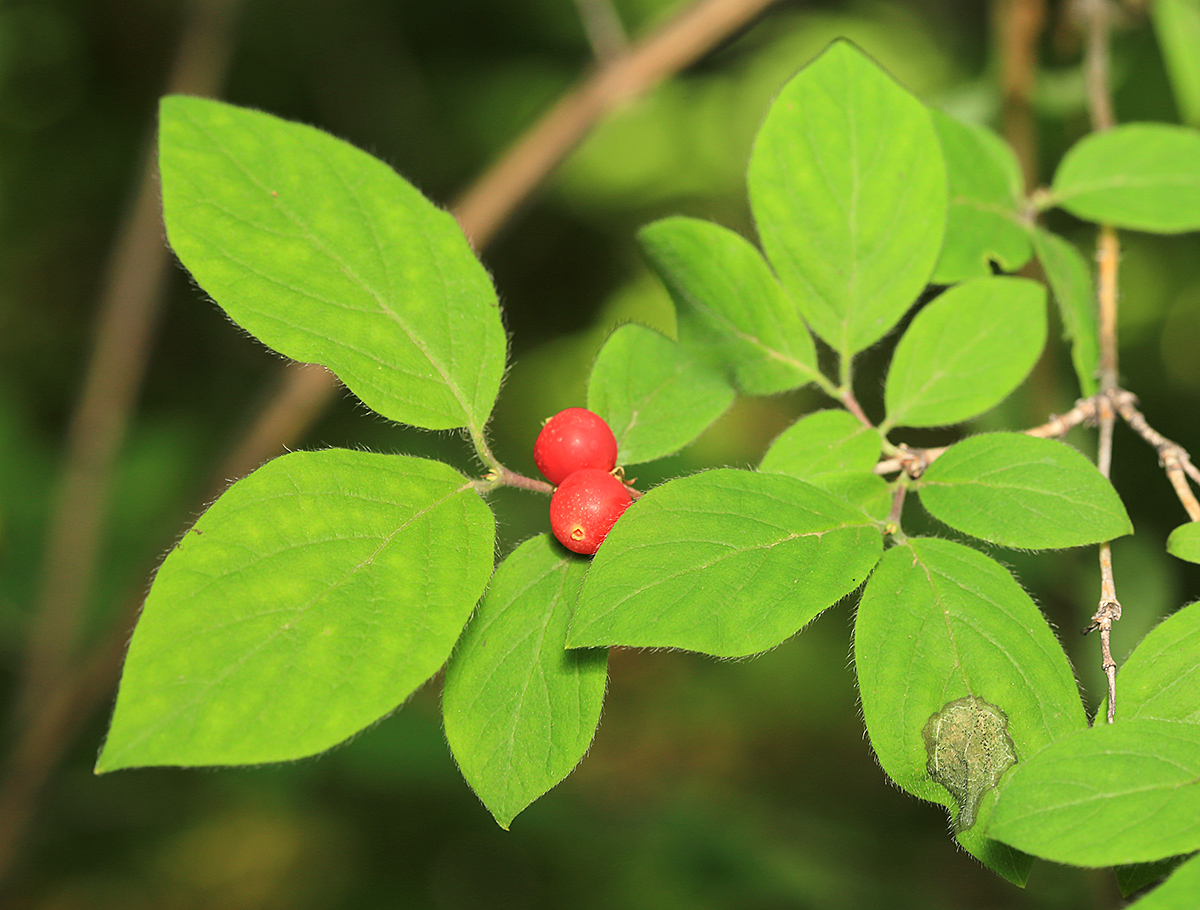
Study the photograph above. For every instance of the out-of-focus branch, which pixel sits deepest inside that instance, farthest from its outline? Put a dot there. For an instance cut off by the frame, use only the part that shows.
(604, 30)
(130, 299)
(1018, 26)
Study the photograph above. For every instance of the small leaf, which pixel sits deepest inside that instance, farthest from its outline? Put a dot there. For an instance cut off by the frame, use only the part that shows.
(1075, 294)
(824, 442)
(328, 256)
(945, 633)
(1184, 542)
(1143, 176)
(1127, 792)
(848, 190)
(983, 222)
(731, 309)
(726, 562)
(1021, 491)
(965, 352)
(654, 394)
(1161, 678)
(520, 711)
(1178, 892)
(309, 601)
(1134, 877)
(1177, 26)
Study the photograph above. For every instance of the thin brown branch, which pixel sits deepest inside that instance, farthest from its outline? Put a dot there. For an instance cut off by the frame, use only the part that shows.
(1173, 457)
(604, 30)
(913, 461)
(132, 290)
(1018, 27)
(52, 694)
(1097, 20)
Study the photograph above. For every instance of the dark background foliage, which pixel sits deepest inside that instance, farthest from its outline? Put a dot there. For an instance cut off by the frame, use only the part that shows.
(710, 784)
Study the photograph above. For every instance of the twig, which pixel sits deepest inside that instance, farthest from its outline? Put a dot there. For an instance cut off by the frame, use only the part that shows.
(127, 316)
(914, 461)
(1097, 26)
(1172, 456)
(51, 698)
(603, 27)
(1019, 25)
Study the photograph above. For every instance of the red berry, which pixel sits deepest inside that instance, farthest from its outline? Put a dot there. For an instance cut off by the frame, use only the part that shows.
(572, 440)
(585, 507)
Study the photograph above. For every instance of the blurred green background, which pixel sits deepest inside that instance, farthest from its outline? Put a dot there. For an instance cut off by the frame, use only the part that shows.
(743, 784)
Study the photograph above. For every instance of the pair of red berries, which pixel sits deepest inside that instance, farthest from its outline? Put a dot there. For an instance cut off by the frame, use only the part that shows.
(576, 451)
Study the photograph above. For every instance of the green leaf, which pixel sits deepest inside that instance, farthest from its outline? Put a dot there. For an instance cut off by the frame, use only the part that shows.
(864, 490)
(309, 601)
(1144, 176)
(328, 256)
(946, 640)
(520, 711)
(1177, 25)
(1161, 678)
(1075, 294)
(1022, 491)
(1179, 891)
(1127, 792)
(1133, 877)
(965, 352)
(821, 443)
(848, 190)
(654, 394)
(984, 220)
(731, 309)
(1184, 542)
(726, 562)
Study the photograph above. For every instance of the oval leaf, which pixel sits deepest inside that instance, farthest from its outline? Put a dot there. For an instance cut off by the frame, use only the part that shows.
(965, 352)
(1127, 792)
(1144, 176)
(520, 711)
(731, 309)
(328, 256)
(821, 443)
(654, 394)
(1161, 678)
(1184, 542)
(309, 601)
(946, 639)
(1177, 893)
(1074, 293)
(984, 220)
(727, 562)
(848, 190)
(1022, 491)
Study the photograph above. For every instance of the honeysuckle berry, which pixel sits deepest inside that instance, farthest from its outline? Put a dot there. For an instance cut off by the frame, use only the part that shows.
(572, 440)
(585, 507)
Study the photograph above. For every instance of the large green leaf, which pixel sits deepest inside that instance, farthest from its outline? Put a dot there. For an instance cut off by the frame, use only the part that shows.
(731, 309)
(520, 711)
(1177, 25)
(984, 221)
(965, 352)
(309, 601)
(1177, 893)
(946, 642)
(1144, 176)
(655, 394)
(328, 256)
(1184, 542)
(1075, 293)
(1161, 678)
(1022, 491)
(1127, 792)
(848, 190)
(725, 562)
